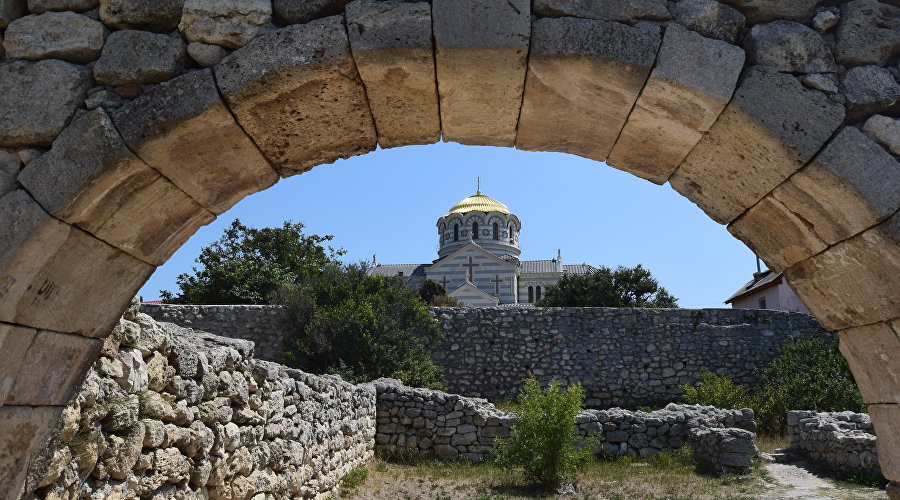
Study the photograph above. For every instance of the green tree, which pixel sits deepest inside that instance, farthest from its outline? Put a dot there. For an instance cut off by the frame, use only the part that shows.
(359, 326)
(620, 287)
(434, 294)
(246, 265)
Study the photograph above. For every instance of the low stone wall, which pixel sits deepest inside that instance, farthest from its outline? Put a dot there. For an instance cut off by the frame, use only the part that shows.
(448, 426)
(169, 412)
(843, 440)
(622, 357)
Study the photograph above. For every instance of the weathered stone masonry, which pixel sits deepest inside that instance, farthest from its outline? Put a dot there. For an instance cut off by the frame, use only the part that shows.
(844, 440)
(622, 357)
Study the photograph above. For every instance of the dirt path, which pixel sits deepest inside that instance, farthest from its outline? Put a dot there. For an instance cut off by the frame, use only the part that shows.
(796, 481)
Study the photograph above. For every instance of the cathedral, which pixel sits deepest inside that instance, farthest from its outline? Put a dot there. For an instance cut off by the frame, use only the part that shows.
(478, 258)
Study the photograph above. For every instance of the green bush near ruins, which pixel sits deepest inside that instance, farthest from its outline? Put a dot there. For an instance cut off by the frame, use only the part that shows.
(358, 326)
(543, 442)
(809, 373)
(620, 287)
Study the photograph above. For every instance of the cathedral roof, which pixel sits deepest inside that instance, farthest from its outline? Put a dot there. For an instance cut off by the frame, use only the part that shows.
(478, 203)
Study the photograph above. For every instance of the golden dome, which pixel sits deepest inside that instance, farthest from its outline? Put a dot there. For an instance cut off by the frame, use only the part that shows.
(478, 203)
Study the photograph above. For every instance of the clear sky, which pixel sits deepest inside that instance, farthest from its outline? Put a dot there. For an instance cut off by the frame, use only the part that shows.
(387, 203)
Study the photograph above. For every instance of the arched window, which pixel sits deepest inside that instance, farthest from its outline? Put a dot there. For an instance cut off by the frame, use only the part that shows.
(455, 232)
(474, 230)
(496, 231)
(537, 294)
(530, 294)
(511, 239)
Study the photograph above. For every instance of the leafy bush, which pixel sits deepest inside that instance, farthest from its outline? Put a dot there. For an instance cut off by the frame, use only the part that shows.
(355, 477)
(716, 390)
(542, 443)
(358, 326)
(434, 294)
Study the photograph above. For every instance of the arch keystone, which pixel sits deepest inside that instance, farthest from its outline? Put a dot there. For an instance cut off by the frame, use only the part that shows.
(768, 131)
(481, 50)
(692, 81)
(297, 93)
(90, 179)
(391, 44)
(183, 130)
(583, 78)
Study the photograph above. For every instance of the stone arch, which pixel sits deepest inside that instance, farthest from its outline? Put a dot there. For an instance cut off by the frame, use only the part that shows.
(764, 143)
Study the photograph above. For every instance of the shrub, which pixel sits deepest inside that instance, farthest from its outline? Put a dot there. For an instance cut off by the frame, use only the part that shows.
(542, 443)
(355, 477)
(716, 390)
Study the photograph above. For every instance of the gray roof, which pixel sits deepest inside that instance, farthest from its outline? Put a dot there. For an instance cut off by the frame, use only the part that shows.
(549, 266)
(759, 281)
(579, 269)
(396, 269)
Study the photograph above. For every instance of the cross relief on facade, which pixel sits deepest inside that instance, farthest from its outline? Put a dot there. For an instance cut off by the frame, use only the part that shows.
(496, 281)
(471, 265)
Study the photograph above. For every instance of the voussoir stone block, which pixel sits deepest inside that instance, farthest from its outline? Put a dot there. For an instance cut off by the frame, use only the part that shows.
(92, 180)
(584, 76)
(617, 10)
(184, 130)
(230, 23)
(37, 100)
(851, 185)
(391, 44)
(70, 357)
(10, 10)
(133, 57)
(481, 52)
(855, 282)
(55, 35)
(151, 15)
(40, 6)
(692, 81)
(868, 33)
(297, 93)
(886, 419)
(789, 46)
(14, 341)
(709, 18)
(873, 352)
(24, 433)
(770, 129)
(48, 265)
(763, 11)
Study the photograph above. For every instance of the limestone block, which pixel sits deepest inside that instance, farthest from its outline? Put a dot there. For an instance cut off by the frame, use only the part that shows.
(206, 55)
(885, 131)
(133, 57)
(37, 100)
(183, 129)
(481, 52)
(230, 23)
(391, 44)
(583, 79)
(619, 10)
(886, 419)
(854, 282)
(92, 180)
(70, 355)
(9, 170)
(848, 187)
(297, 93)
(55, 35)
(40, 6)
(690, 85)
(10, 10)
(152, 15)
(709, 18)
(873, 352)
(14, 341)
(763, 11)
(789, 46)
(304, 11)
(23, 435)
(770, 129)
(869, 90)
(47, 265)
(869, 33)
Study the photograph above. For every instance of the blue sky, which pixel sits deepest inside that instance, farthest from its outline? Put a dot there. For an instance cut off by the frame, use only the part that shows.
(387, 203)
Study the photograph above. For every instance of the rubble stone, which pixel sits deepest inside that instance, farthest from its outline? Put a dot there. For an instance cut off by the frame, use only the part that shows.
(710, 18)
(869, 90)
(152, 15)
(626, 10)
(133, 57)
(229, 23)
(55, 35)
(868, 33)
(789, 46)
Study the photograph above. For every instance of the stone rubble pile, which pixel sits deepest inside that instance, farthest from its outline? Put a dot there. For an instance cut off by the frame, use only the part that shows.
(169, 412)
(844, 440)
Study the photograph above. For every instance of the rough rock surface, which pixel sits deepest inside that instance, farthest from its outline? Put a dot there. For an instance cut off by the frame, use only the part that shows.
(9, 170)
(873, 353)
(869, 33)
(133, 57)
(55, 35)
(763, 11)
(206, 55)
(304, 11)
(818, 81)
(789, 46)
(869, 90)
(844, 440)
(152, 15)
(229, 23)
(885, 131)
(297, 93)
(59, 86)
(10, 10)
(709, 18)
(624, 10)
(40, 6)
(825, 20)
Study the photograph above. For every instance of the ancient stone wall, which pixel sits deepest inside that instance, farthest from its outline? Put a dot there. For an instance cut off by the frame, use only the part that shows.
(169, 412)
(843, 440)
(448, 426)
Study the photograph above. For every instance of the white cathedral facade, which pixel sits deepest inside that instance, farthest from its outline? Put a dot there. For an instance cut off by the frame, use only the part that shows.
(478, 258)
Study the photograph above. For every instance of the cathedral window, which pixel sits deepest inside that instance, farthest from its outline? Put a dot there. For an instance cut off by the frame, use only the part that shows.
(496, 231)
(537, 294)
(474, 230)
(530, 294)
(511, 233)
(455, 232)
